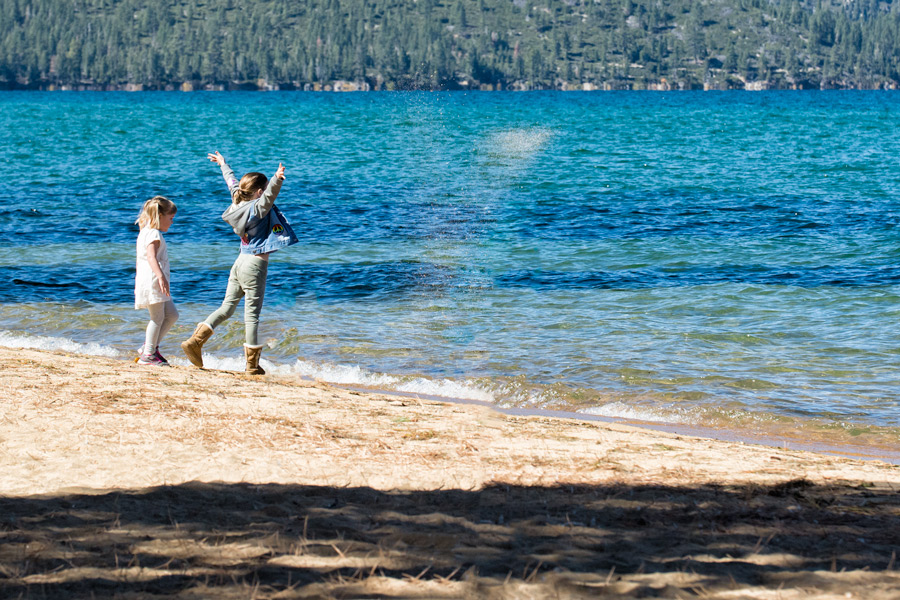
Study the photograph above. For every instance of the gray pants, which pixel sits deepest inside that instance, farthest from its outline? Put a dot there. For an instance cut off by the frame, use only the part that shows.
(162, 316)
(247, 280)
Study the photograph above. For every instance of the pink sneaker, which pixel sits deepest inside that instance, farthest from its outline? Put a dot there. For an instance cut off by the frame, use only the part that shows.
(152, 359)
(161, 358)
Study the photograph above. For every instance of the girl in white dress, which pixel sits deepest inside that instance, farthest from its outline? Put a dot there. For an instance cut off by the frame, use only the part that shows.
(151, 281)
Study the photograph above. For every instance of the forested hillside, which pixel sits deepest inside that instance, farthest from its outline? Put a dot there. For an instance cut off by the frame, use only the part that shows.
(448, 44)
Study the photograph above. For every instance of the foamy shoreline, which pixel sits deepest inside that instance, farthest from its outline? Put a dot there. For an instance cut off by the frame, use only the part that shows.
(792, 436)
(92, 385)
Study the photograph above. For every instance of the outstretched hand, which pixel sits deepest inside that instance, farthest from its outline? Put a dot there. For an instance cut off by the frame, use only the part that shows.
(216, 158)
(280, 172)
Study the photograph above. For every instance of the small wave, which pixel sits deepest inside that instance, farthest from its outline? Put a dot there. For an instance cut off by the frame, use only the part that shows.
(694, 416)
(355, 375)
(336, 374)
(220, 363)
(620, 410)
(352, 375)
(13, 340)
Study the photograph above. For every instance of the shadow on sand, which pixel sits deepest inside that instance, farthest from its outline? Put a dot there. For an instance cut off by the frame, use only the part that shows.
(241, 540)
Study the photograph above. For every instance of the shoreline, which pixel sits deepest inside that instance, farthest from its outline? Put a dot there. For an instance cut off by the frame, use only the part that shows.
(802, 436)
(787, 439)
(118, 367)
(353, 89)
(178, 482)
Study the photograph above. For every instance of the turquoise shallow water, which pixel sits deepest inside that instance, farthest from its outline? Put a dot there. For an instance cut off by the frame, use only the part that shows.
(717, 259)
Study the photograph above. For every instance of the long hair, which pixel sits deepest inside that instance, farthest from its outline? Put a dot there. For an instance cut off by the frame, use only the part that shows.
(152, 209)
(249, 185)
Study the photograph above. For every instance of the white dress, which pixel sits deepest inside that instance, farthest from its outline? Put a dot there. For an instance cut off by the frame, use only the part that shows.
(146, 286)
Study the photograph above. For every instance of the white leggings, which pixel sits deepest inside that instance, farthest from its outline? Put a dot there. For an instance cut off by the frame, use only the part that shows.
(162, 316)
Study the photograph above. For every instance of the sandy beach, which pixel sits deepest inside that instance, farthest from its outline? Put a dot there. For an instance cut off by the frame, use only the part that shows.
(124, 481)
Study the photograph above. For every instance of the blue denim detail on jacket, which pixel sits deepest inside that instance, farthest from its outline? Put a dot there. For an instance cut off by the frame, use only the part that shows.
(267, 234)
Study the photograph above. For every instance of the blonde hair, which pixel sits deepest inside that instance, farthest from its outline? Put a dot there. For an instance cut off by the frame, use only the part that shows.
(249, 185)
(152, 209)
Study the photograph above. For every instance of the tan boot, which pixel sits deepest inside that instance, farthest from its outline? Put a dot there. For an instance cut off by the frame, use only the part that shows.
(193, 348)
(253, 353)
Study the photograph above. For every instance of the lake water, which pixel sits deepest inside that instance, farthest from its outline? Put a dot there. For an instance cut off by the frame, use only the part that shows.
(725, 260)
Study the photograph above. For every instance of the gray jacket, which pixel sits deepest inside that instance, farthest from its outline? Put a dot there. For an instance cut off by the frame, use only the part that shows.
(259, 223)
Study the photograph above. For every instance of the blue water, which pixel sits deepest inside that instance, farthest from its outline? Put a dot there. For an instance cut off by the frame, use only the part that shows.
(719, 259)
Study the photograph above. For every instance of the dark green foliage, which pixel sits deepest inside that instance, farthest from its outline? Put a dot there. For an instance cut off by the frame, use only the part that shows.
(449, 44)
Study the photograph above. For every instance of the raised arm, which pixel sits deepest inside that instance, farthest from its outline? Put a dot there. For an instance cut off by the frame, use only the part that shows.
(230, 180)
(264, 205)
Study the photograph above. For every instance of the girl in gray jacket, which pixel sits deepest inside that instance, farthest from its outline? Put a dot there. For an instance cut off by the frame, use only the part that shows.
(263, 229)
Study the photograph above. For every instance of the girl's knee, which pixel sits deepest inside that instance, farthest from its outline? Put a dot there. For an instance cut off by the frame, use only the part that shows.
(157, 314)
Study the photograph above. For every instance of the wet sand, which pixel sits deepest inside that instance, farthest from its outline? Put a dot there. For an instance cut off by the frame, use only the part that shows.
(121, 480)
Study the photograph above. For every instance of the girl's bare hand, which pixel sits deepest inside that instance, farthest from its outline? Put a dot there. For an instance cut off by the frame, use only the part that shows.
(216, 158)
(280, 172)
(163, 286)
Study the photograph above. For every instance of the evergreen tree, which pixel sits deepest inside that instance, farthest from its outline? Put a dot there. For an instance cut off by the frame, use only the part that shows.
(430, 44)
